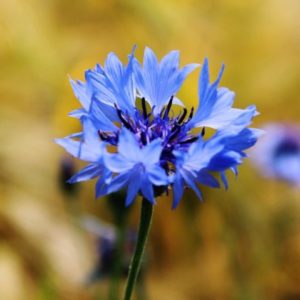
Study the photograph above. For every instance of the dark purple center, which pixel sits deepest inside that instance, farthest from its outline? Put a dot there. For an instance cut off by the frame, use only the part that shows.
(146, 126)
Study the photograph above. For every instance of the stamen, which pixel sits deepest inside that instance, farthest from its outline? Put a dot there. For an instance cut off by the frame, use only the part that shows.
(108, 137)
(143, 138)
(175, 127)
(144, 107)
(203, 131)
(191, 114)
(180, 120)
(190, 140)
(175, 131)
(162, 111)
(122, 119)
(168, 107)
(101, 135)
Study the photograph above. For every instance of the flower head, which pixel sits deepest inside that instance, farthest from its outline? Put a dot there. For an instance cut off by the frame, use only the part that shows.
(132, 139)
(278, 153)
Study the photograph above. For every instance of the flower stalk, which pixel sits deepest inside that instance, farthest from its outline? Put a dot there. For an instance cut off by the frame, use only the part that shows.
(144, 228)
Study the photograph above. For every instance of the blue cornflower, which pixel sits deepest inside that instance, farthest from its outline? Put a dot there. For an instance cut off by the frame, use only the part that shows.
(277, 155)
(132, 139)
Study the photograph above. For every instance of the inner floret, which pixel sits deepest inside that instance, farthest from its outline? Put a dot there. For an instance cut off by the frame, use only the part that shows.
(147, 126)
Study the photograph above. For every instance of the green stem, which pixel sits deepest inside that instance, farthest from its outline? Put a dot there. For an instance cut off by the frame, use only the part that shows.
(144, 228)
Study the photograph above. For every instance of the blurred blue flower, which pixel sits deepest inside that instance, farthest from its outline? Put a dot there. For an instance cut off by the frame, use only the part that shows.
(105, 235)
(277, 155)
(132, 138)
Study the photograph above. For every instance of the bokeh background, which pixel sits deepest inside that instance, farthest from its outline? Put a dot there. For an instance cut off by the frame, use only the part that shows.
(239, 244)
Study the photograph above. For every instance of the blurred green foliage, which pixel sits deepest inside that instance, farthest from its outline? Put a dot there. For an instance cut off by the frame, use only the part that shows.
(240, 244)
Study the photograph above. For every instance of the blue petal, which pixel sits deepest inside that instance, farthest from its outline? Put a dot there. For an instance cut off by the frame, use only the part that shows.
(224, 180)
(150, 77)
(150, 63)
(117, 163)
(177, 190)
(87, 173)
(101, 188)
(82, 93)
(80, 150)
(215, 108)
(108, 109)
(76, 135)
(207, 179)
(241, 141)
(113, 68)
(90, 134)
(101, 185)
(157, 175)
(158, 82)
(140, 80)
(99, 69)
(121, 80)
(128, 146)
(203, 81)
(234, 169)
(200, 154)
(103, 90)
(100, 119)
(225, 98)
(78, 113)
(211, 94)
(90, 148)
(190, 181)
(171, 78)
(118, 182)
(147, 189)
(246, 117)
(169, 62)
(224, 161)
(167, 85)
(151, 153)
(220, 118)
(115, 84)
(133, 188)
(207, 92)
(238, 142)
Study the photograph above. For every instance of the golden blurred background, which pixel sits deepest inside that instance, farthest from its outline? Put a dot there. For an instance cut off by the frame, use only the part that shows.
(239, 244)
